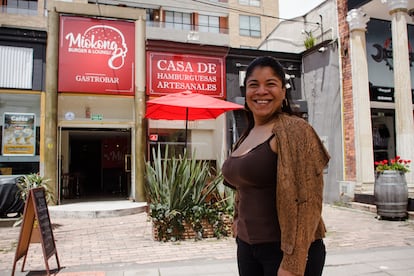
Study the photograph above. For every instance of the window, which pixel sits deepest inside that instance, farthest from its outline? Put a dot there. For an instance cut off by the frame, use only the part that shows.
(174, 139)
(254, 3)
(208, 23)
(249, 26)
(19, 6)
(178, 20)
(152, 15)
(16, 67)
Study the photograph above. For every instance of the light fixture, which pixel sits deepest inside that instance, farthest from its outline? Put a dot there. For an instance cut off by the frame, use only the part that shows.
(322, 49)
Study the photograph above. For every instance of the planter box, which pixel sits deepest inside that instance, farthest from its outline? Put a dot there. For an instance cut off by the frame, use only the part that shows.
(189, 233)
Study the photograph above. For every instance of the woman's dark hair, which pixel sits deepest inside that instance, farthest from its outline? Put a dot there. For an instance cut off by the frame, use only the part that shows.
(267, 61)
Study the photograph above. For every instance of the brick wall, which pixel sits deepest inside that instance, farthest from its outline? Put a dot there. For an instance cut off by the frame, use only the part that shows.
(348, 115)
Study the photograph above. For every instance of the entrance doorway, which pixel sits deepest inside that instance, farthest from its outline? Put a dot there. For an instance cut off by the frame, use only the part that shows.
(383, 134)
(93, 163)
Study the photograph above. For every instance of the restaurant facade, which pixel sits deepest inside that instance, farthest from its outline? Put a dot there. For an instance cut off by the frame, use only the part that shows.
(79, 119)
(22, 59)
(72, 118)
(81, 122)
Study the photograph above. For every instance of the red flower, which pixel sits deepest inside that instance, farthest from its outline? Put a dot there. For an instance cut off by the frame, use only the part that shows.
(396, 164)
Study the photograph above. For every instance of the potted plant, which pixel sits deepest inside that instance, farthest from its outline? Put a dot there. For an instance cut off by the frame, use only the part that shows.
(183, 198)
(390, 188)
(30, 181)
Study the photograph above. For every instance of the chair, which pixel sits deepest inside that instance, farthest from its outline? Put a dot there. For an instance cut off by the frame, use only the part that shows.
(67, 185)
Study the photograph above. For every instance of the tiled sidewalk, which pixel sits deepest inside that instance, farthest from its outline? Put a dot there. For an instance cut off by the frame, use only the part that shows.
(127, 240)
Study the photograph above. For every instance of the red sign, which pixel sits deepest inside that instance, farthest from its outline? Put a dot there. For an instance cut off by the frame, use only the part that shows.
(153, 137)
(171, 73)
(96, 56)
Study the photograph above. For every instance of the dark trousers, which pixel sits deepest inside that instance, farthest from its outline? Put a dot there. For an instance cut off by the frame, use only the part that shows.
(264, 259)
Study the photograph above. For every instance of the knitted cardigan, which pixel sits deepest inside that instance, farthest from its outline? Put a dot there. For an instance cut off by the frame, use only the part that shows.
(300, 164)
(301, 161)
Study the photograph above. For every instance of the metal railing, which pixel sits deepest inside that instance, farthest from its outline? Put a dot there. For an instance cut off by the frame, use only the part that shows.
(187, 27)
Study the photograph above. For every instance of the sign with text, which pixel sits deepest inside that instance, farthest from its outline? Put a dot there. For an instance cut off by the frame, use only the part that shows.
(384, 94)
(19, 134)
(96, 56)
(36, 214)
(171, 73)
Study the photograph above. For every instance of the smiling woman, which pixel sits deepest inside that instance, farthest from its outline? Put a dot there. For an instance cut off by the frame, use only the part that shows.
(278, 161)
(265, 93)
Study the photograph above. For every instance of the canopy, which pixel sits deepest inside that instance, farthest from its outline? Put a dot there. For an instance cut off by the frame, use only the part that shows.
(187, 106)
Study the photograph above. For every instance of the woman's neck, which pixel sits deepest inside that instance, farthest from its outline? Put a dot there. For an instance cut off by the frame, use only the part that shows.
(263, 123)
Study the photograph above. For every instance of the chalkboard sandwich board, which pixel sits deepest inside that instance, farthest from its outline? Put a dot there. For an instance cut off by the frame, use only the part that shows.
(35, 210)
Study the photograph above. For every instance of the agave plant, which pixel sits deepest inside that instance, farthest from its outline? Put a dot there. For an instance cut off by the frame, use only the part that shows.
(180, 189)
(31, 181)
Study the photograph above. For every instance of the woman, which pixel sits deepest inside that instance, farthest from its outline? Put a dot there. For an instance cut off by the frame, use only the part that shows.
(277, 171)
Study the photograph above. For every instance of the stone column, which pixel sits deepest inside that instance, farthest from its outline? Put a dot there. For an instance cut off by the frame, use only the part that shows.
(357, 21)
(404, 125)
(140, 125)
(48, 146)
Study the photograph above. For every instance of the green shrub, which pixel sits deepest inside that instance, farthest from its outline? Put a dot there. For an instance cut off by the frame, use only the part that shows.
(182, 189)
(309, 41)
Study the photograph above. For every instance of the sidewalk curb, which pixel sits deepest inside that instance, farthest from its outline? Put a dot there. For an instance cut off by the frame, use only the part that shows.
(372, 208)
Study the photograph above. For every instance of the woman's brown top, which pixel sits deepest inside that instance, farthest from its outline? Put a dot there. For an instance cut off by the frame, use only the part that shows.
(249, 173)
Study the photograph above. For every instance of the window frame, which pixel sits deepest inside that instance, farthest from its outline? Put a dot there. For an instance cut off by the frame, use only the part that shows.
(211, 27)
(248, 30)
(180, 20)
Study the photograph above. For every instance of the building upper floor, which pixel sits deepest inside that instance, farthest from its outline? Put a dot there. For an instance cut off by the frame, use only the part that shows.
(234, 23)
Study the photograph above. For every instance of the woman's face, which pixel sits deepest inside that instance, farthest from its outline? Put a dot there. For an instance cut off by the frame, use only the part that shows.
(264, 93)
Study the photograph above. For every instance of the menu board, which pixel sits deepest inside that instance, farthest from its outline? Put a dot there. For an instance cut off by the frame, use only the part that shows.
(36, 210)
(44, 222)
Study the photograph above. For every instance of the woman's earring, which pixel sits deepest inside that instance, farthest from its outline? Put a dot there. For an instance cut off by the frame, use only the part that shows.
(285, 102)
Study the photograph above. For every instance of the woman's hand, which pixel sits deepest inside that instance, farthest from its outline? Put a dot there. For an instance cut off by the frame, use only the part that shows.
(282, 272)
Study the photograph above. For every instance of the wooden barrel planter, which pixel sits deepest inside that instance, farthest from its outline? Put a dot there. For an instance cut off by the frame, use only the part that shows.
(391, 194)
